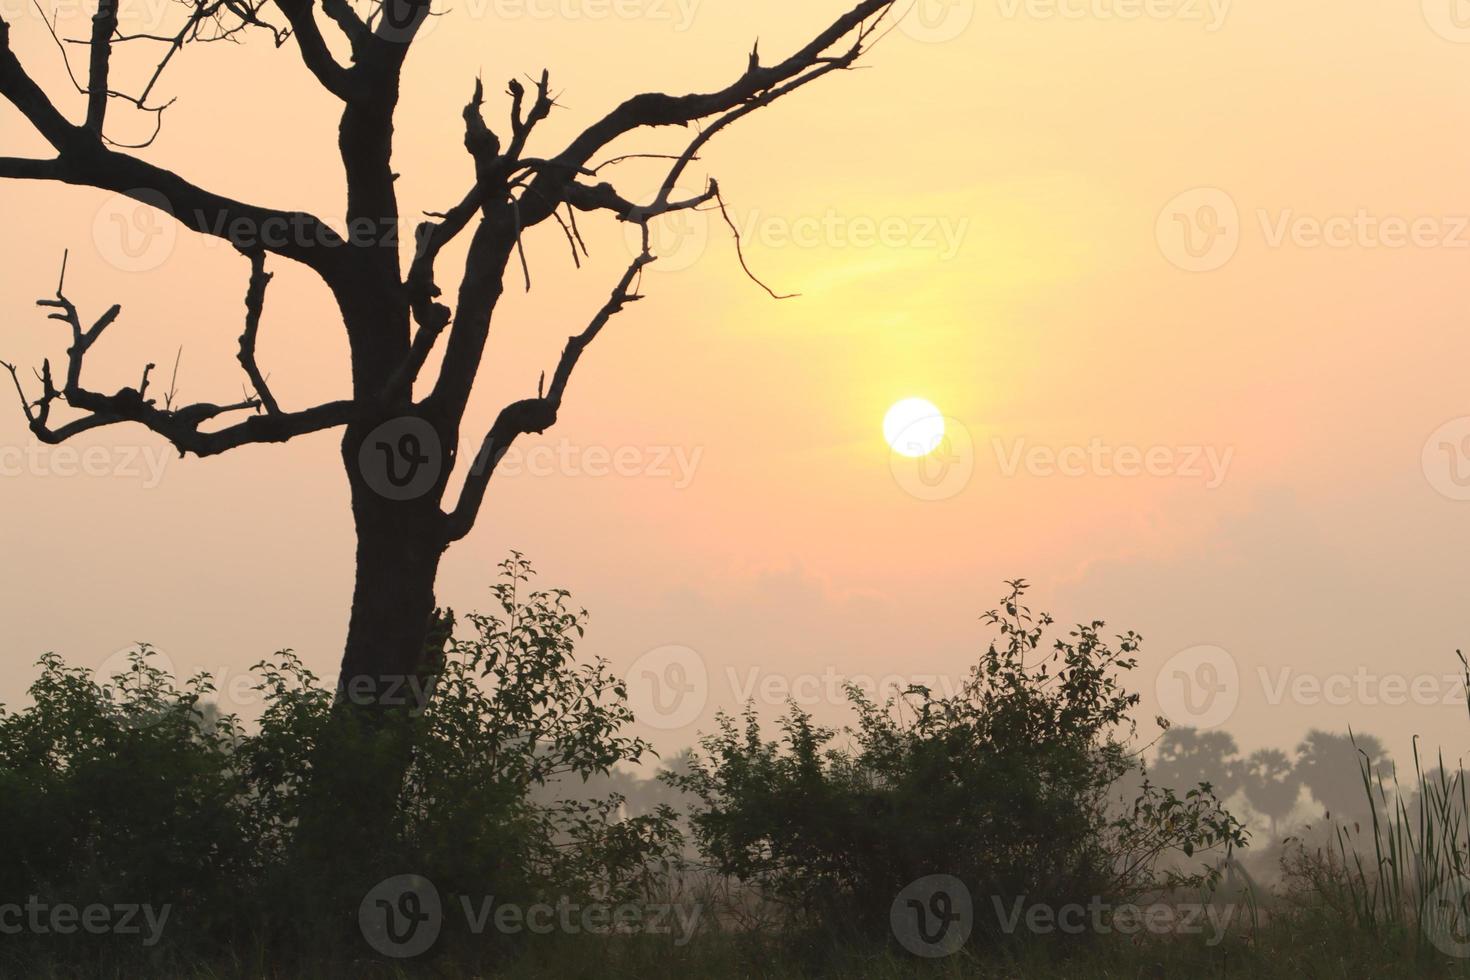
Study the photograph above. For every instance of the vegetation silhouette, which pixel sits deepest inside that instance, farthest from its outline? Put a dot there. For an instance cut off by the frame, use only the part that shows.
(1006, 786)
(116, 788)
(523, 787)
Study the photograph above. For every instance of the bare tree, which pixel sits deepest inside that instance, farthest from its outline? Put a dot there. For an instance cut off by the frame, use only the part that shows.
(398, 446)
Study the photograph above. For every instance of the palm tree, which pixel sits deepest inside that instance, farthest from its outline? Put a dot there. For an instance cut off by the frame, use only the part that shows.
(1271, 784)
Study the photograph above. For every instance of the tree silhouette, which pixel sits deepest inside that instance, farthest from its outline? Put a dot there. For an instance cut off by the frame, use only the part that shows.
(400, 430)
(1187, 756)
(1271, 785)
(1331, 767)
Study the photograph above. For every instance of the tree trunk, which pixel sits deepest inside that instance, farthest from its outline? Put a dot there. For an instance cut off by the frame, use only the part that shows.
(398, 554)
(395, 647)
(396, 481)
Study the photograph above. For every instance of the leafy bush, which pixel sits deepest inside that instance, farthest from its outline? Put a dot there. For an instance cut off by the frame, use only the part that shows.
(134, 790)
(1005, 785)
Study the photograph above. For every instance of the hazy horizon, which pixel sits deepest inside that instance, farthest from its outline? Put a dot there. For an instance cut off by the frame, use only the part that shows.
(1201, 347)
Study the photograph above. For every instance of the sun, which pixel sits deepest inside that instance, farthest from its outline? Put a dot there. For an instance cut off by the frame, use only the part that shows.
(914, 427)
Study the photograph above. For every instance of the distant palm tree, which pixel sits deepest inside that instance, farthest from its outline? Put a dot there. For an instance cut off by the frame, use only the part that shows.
(1271, 784)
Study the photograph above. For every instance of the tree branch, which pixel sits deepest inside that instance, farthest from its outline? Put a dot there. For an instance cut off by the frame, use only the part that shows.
(254, 307)
(658, 109)
(180, 426)
(554, 181)
(534, 415)
(314, 51)
(104, 25)
(83, 160)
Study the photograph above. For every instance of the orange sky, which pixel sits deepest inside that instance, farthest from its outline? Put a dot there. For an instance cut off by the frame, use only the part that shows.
(991, 215)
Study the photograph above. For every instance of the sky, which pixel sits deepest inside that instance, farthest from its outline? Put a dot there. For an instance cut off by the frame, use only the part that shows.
(1187, 279)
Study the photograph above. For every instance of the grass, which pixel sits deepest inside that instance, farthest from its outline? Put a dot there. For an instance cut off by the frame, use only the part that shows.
(1305, 947)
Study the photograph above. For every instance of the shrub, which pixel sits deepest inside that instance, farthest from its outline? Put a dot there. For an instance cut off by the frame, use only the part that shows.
(1006, 785)
(134, 790)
